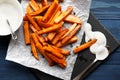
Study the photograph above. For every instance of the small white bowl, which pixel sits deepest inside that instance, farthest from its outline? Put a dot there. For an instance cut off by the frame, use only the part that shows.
(11, 10)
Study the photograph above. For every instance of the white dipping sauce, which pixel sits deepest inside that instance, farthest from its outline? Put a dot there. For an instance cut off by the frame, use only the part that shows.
(10, 11)
(98, 48)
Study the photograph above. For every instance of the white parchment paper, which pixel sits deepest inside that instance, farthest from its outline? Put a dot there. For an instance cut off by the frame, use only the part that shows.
(20, 53)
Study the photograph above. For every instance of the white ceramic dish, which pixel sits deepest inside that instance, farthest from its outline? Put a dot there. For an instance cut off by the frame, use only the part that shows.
(11, 10)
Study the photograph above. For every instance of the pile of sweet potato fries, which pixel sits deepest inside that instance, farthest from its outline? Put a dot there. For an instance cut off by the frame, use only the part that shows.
(44, 30)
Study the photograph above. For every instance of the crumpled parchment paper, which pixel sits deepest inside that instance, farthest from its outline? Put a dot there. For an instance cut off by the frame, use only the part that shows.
(20, 53)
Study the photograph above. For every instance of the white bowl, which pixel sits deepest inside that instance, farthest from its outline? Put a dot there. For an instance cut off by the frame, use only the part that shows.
(11, 10)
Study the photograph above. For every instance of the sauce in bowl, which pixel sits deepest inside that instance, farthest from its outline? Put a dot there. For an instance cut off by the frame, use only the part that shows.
(11, 10)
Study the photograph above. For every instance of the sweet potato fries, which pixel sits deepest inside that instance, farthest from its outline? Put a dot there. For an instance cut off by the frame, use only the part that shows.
(44, 30)
(84, 46)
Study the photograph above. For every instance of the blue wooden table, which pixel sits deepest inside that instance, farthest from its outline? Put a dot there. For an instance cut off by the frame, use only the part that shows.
(108, 13)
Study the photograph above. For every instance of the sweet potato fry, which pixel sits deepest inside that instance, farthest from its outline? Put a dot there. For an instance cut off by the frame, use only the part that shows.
(51, 35)
(73, 19)
(42, 24)
(60, 61)
(32, 21)
(73, 39)
(65, 52)
(70, 29)
(53, 51)
(77, 28)
(52, 17)
(29, 9)
(40, 48)
(34, 5)
(32, 28)
(59, 35)
(38, 17)
(50, 61)
(84, 46)
(44, 2)
(62, 51)
(34, 50)
(40, 5)
(57, 0)
(50, 11)
(63, 65)
(44, 54)
(26, 32)
(56, 15)
(51, 28)
(41, 39)
(34, 38)
(39, 10)
(64, 14)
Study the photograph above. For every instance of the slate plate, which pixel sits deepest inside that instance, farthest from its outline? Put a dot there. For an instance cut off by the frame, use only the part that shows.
(85, 57)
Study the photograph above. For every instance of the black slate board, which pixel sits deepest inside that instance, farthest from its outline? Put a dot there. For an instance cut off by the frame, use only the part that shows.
(85, 57)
